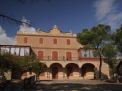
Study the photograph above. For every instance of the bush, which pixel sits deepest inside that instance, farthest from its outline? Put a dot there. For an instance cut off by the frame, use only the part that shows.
(18, 64)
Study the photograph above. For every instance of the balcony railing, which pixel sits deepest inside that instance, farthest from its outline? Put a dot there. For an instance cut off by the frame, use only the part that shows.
(49, 58)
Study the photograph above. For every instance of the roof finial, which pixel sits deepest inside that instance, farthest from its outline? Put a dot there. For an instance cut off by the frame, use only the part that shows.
(55, 26)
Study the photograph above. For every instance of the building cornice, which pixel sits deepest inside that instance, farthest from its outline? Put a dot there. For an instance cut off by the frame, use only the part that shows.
(45, 35)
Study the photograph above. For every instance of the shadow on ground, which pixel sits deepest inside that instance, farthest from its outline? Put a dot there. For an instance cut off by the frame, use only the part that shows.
(78, 87)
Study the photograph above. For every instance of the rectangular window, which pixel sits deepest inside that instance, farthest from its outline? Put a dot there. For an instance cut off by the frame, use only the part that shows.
(68, 56)
(55, 41)
(85, 53)
(25, 39)
(68, 42)
(91, 53)
(41, 40)
(55, 55)
(40, 55)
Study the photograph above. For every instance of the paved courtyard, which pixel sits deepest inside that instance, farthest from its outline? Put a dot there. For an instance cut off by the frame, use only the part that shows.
(69, 85)
(77, 85)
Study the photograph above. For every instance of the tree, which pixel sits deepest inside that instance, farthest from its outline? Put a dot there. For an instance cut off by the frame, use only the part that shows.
(110, 53)
(5, 62)
(119, 68)
(37, 67)
(117, 37)
(95, 39)
(19, 64)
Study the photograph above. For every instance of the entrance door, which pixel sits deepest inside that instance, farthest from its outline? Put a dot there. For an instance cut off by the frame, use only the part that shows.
(54, 73)
(68, 56)
(54, 55)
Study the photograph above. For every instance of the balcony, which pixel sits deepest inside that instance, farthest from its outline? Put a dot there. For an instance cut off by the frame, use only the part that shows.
(64, 61)
(49, 58)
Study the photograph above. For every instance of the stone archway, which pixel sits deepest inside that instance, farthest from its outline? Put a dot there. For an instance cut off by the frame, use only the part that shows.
(72, 71)
(56, 69)
(87, 71)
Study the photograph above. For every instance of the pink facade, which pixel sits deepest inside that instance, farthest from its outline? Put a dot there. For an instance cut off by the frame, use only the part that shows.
(61, 53)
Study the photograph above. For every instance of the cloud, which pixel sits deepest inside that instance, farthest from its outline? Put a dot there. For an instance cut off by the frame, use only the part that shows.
(103, 8)
(107, 12)
(4, 39)
(26, 28)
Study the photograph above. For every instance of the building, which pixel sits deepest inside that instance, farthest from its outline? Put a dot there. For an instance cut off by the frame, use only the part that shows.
(18, 50)
(63, 56)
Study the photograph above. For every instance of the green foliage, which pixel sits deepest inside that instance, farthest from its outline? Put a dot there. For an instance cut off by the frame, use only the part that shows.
(120, 69)
(85, 37)
(100, 33)
(117, 37)
(109, 51)
(99, 39)
(18, 64)
(95, 38)
(5, 62)
(37, 67)
(112, 71)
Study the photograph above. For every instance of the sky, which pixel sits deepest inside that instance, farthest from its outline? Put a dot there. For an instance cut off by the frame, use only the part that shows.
(68, 15)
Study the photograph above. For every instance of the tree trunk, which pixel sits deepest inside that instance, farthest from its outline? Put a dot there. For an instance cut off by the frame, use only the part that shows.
(100, 67)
